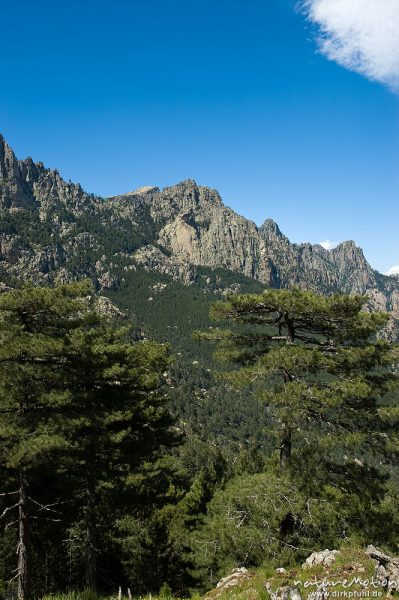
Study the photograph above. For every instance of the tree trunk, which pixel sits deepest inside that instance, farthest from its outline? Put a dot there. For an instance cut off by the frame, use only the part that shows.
(23, 541)
(290, 329)
(286, 433)
(90, 522)
(285, 447)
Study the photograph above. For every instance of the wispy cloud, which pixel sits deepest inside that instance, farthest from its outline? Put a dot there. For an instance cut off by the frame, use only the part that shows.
(393, 270)
(361, 35)
(328, 245)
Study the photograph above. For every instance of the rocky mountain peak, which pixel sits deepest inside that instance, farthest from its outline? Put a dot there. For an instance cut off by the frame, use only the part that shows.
(185, 184)
(15, 193)
(349, 251)
(143, 190)
(8, 161)
(270, 230)
(147, 189)
(171, 231)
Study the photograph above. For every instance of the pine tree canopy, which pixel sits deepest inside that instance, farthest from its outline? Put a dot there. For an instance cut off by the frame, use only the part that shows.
(314, 361)
(78, 400)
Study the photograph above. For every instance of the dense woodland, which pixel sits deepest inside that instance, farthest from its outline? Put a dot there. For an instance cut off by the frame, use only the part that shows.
(269, 433)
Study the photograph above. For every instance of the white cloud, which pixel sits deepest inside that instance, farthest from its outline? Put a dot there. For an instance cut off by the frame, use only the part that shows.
(328, 245)
(393, 270)
(361, 35)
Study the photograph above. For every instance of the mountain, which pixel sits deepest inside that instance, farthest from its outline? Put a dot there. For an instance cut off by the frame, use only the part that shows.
(196, 228)
(163, 256)
(53, 231)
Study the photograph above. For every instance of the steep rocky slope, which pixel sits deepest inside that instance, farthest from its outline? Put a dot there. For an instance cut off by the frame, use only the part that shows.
(52, 230)
(194, 227)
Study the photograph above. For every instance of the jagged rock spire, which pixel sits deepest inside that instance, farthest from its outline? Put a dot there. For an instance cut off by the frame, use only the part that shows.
(14, 191)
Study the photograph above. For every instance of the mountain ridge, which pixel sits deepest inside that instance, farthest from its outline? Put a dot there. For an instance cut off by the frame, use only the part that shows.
(53, 231)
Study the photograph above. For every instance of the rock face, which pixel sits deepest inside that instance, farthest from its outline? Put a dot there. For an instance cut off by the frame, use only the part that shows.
(15, 179)
(151, 258)
(195, 228)
(53, 231)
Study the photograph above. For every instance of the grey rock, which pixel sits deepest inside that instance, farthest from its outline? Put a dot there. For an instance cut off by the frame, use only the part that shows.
(152, 258)
(105, 307)
(236, 577)
(387, 568)
(285, 592)
(325, 558)
(15, 180)
(107, 281)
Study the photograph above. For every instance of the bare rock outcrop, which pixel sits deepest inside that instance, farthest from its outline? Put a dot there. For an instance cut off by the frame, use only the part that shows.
(15, 180)
(152, 258)
(285, 592)
(237, 577)
(387, 569)
(325, 558)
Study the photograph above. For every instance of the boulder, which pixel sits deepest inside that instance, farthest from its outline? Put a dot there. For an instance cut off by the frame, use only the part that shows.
(325, 558)
(387, 569)
(286, 592)
(236, 577)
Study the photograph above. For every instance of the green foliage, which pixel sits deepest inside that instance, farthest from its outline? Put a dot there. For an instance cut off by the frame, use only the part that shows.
(242, 527)
(27, 225)
(35, 325)
(272, 518)
(84, 238)
(314, 363)
(210, 409)
(324, 381)
(83, 415)
(81, 408)
(83, 595)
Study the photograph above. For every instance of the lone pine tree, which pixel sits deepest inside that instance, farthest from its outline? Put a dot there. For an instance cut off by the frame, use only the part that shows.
(314, 361)
(77, 390)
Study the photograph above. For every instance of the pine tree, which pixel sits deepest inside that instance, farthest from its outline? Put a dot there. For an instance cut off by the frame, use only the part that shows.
(118, 418)
(314, 361)
(80, 397)
(321, 374)
(34, 328)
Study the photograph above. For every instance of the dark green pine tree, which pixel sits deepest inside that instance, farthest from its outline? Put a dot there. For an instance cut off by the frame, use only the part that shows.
(34, 329)
(314, 361)
(79, 397)
(117, 420)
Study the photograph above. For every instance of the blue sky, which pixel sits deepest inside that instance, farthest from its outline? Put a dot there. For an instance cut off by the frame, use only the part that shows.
(235, 94)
